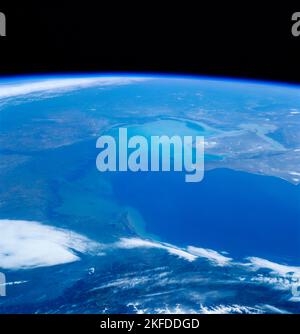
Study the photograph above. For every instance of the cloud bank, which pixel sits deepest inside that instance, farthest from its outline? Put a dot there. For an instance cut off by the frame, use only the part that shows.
(280, 269)
(29, 244)
(213, 256)
(60, 84)
(190, 253)
(129, 243)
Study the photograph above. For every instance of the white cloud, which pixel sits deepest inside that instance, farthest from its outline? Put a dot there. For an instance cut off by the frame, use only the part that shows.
(14, 283)
(29, 244)
(60, 84)
(295, 173)
(191, 253)
(177, 309)
(273, 309)
(229, 309)
(182, 309)
(128, 243)
(281, 269)
(211, 255)
(124, 283)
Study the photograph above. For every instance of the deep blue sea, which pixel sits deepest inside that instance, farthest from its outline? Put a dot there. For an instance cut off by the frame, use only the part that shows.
(237, 212)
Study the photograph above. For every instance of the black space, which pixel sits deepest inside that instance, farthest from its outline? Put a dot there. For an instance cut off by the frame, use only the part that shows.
(249, 40)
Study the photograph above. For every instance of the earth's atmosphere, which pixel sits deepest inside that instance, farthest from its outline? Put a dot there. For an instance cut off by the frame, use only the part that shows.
(74, 240)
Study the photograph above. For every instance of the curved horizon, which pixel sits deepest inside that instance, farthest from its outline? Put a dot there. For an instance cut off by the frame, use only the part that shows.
(155, 75)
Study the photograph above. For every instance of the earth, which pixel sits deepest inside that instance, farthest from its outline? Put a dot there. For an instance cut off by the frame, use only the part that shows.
(76, 240)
